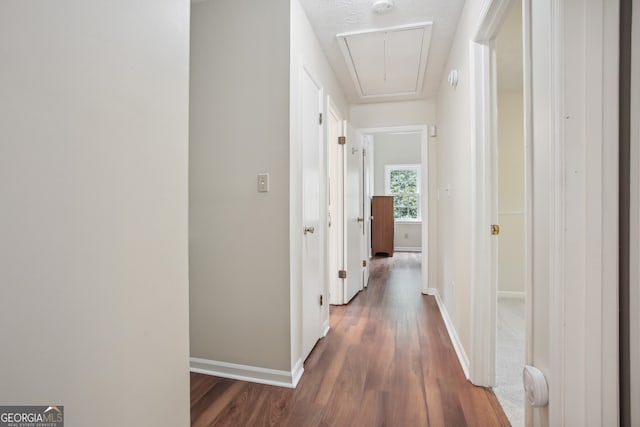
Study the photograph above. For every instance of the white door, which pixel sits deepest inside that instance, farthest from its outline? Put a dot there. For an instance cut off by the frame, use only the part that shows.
(312, 254)
(354, 217)
(335, 246)
(367, 192)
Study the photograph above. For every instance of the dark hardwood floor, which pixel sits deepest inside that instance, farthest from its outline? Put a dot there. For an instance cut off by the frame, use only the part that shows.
(387, 361)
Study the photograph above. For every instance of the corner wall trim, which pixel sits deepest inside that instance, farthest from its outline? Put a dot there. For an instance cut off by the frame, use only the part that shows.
(453, 335)
(325, 328)
(253, 374)
(296, 372)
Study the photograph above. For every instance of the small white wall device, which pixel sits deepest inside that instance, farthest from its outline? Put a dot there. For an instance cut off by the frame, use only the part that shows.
(452, 78)
(535, 386)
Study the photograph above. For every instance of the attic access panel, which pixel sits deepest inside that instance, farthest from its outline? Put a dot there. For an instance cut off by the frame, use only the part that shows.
(387, 62)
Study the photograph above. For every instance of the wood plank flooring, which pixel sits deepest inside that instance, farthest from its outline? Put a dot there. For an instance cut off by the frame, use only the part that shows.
(387, 361)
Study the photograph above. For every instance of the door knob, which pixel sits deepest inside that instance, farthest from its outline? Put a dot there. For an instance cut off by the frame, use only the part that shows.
(309, 230)
(360, 219)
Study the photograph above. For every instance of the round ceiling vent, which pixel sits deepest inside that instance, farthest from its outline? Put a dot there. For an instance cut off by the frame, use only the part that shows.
(382, 6)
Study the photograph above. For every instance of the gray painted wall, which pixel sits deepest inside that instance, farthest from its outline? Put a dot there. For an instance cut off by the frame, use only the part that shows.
(93, 225)
(239, 238)
(394, 149)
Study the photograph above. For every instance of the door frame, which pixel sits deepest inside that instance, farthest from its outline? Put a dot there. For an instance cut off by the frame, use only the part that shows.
(484, 210)
(428, 256)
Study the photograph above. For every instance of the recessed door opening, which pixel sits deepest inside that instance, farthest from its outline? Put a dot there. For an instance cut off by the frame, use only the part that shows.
(510, 316)
(398, 167)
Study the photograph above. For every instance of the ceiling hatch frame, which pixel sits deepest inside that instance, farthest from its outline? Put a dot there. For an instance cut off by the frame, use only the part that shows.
(343, 42)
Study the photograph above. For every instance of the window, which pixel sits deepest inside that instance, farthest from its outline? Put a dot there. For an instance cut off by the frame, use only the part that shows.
(403, 183)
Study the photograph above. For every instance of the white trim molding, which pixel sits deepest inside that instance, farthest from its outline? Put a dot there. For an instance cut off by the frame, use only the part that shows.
(574, 61)
(253, 374)
(511, 294)
(451, 330)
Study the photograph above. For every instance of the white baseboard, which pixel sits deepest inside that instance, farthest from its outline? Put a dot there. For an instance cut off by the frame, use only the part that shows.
(248, 373)
(406, 249)
(296, 372)
(510, 294)
(453, 335)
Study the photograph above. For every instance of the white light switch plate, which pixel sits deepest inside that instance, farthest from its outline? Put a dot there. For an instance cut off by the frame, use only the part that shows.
(263, 183)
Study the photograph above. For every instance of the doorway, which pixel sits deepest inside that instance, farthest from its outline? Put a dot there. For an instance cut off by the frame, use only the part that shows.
(510, 315)
(404, 147)
(501, 239)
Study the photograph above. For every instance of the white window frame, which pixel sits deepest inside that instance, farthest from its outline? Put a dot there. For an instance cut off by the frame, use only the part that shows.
(387, 187)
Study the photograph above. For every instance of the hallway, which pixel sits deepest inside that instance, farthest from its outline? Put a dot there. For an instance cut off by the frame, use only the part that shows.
(387, 361)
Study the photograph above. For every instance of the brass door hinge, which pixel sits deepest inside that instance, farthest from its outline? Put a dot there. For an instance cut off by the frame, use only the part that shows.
(495, 229)
(321, 300)
(342, 274)
(342, 140)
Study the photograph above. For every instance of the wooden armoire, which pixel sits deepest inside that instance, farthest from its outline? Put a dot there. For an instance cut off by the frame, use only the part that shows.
(382, 225)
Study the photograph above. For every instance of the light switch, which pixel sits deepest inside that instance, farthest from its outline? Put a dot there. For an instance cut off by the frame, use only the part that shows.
(263, 183)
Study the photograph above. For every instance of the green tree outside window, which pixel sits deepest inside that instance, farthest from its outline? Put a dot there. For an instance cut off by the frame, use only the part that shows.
(403, 182)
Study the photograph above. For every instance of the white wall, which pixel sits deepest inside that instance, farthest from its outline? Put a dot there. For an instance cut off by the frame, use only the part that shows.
(93, 180)
(454, 181)
(511, 192)
(245, 97)
(239, 238)
(393, 114)
(398, 149)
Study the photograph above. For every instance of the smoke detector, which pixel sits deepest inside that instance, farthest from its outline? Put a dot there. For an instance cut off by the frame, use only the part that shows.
(382, 6)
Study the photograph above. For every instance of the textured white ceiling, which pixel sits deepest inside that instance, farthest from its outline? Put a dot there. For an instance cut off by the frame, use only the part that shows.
(331, 17)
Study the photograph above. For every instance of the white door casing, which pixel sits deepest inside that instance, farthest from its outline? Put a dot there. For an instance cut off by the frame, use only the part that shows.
(575, 75)
(312, 204)
(484, 167)
(354, 220)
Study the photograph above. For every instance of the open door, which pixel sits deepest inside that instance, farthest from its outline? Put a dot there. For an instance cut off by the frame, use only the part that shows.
(367, 193)
(354, 216)
(335, 208)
